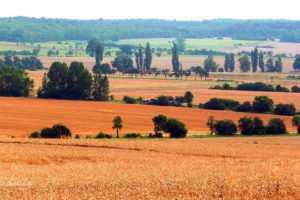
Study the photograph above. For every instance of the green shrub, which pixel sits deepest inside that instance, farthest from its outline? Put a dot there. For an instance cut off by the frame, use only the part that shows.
(258, 86)
(263, 104)
(35, 134)
(102, 135)
(225, 127)
(280, 88)
(276, 126)
(132, 100)
(296, 89)
(245, 107)
(57, 131)
(221, 104)
(175, 128)
(285, 109)
(155, 135)
(132, 135)
(250, 126)
(77, 136)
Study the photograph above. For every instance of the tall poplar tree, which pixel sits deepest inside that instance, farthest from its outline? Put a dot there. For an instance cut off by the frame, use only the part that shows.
(261, 61)
(175, 58)
(254, 59)
(148, 57)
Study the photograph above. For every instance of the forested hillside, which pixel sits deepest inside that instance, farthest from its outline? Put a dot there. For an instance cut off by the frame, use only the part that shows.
(22, 29)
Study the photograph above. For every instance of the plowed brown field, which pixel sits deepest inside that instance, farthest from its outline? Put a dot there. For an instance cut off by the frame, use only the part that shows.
(21, 116)
(229, 168)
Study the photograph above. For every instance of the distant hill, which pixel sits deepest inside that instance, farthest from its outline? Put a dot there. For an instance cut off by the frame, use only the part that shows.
(22, 29)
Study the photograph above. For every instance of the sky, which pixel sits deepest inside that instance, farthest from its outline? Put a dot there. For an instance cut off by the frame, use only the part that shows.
(158, 9)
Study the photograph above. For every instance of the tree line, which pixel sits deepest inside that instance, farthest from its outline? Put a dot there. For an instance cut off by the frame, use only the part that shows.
(176, 129)
(30, 63)
(22, 29)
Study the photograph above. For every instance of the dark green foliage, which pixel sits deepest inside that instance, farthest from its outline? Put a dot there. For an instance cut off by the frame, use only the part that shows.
(79, 82)
(164, 101)
(132, 100)
(175, 128)
(296, 64)
(270, 65)
(14, 82)
(221, 104)
(102, 69)
(258, 86)
(75, 83)
(22, 29)
(55, 83)
(278, 65)
(296, 122)
(225, 127)
(276, 126)
(132, 135)
(126, 49)
(100, 88)
(296, 89)
(175, 58)
(102, 135)
(210, 65)
(285, 109)
(95, 49)
(251, 126)
(245, 107)
(148, 57)
(229, 64)
(30, 63)
(189, 97)
(159, 135)
(280, 88)
(57, 131)
(122, 63)
(159, 122)
(261, 61)
(244, 64)
(254, 59)
(77, 136)
(263, 104)
(117, 124)
(35, 134)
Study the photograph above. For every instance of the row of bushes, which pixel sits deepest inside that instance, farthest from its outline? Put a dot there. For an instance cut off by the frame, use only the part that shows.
(181, 101)
(261, 104)
(258, 86)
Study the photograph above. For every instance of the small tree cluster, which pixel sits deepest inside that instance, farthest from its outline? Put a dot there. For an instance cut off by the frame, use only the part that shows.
(74, 82)
(56, 131)
(31, 63)
(175, 128)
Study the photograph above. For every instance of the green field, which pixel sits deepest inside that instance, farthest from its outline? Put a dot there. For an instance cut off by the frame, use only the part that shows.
(78, 47)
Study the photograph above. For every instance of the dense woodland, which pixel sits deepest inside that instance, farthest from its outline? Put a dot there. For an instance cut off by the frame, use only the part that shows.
(22, 29)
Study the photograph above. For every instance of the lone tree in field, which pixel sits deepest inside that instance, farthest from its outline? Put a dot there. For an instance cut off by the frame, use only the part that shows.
(296, 122)
(148, 57)
(175, 128)
(117, 124)
(254, 59)
(244, 64)
(95, 49)
(261, 61)
(226, 63)
(15, 82)
(296, 64)
(175, 58)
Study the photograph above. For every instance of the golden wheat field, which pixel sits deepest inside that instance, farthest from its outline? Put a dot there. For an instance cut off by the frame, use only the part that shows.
(21, 116)
(228, 168)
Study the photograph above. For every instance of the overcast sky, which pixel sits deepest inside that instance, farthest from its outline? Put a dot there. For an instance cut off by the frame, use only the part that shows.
(162, 9)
